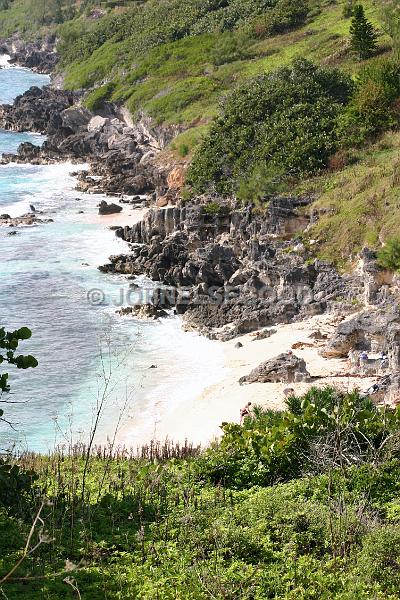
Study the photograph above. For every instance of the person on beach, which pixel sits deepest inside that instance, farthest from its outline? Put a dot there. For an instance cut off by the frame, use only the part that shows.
(288, 392)
(245, 412)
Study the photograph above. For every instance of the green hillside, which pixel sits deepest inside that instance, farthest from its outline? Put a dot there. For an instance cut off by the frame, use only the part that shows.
(174, 60)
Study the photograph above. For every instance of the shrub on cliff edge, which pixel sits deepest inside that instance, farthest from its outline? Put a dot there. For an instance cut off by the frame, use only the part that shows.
(285, 119)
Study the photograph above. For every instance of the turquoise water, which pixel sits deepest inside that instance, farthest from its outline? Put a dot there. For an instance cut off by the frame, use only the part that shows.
(89, 357)
(15, 81)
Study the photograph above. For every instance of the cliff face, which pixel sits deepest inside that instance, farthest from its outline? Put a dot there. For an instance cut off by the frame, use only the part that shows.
(122, 155)
(239, 269)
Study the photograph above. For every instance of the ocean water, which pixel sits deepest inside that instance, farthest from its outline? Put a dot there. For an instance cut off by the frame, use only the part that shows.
(91, 360)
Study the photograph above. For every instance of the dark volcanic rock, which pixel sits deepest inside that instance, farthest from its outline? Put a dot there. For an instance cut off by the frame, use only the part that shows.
(108, 209)
(38, 55)
(240, 273)
(238, 266)
(35, 110)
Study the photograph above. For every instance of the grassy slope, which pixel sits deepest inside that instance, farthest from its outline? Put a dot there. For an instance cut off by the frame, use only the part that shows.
(178, 82)
(360, 204)
(182, 82)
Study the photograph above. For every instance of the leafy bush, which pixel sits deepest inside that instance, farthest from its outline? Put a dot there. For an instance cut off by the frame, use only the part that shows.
(379, 560)
(95, 100)
(285, 15)
(14, 483)
(286, 119)
(262, 182)
(9, 342)
(373, 107)
(389, 255)
(154, 23)
(303, 439)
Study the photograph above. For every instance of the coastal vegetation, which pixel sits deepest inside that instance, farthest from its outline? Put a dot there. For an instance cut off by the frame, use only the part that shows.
(301, 503)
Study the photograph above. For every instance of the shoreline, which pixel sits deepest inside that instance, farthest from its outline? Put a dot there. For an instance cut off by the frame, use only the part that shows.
(200, 418)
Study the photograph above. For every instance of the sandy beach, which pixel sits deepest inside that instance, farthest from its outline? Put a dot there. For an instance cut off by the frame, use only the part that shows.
(128, 217)
(199, 420)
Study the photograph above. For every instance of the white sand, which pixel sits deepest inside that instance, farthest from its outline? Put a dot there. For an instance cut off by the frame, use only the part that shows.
(128, 217)
(199, 421)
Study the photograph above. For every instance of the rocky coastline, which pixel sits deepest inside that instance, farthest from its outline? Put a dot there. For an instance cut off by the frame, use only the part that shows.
(38, 55)
(229, 269)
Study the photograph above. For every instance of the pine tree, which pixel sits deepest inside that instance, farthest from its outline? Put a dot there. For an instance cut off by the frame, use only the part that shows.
(363, 36)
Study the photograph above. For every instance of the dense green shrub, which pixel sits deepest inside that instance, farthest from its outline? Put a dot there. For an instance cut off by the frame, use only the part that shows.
(373, 107)
(379, 560)
(286, 119)
(281, 446)
(154, 23)
(285, 15)
(95, 100)
(389, 255)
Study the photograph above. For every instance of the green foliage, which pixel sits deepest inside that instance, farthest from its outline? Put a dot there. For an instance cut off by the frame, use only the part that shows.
(348, 8)
(154, 23)
(373, 107)
(281, 446)
(262, 182)
(9, 342)
(95, 100)
(227, 49)
(389, 255)
(390, 11)
(363, 36)
(170, 102)
(147, 529)
(212, 208)
(14, 483)
(146, 49)
(284, 16)
(285, 119)
(379, 559)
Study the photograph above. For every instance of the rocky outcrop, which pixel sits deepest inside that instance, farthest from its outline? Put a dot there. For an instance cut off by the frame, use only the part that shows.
(143, 312)
(37, 110)
(286, 368)
(233, 270)
(120, 156)
(39, 55)
(372, 330)
(22, 221)
(109, 209)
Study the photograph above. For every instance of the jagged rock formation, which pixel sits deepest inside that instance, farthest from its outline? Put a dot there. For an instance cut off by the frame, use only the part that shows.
(37, 110)
(122, 155)
(286, 368)
(237, 268)
(373, 330)
(38, 55)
